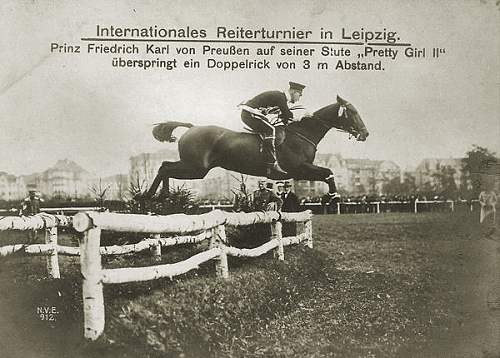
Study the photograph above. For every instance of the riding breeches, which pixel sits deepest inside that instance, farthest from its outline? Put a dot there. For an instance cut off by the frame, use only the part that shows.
(260, 125)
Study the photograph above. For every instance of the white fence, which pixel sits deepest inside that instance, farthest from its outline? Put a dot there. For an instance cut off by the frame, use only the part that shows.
(47, 222)
(354, 207)
(52, 248)
(198, 227)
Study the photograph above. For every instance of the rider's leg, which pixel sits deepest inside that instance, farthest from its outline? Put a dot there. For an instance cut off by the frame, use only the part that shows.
(270, 149)
(280, 135)
(262, 126)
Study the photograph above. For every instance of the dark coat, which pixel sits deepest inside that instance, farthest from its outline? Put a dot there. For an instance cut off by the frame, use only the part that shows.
(262, 199)
(271, 100)
(290, 202)
(30, 206)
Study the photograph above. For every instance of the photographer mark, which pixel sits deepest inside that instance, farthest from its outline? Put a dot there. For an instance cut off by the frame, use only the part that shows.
(47, 313)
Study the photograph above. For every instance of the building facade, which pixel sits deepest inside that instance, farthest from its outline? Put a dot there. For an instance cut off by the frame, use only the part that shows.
(65, 180)
(425, 173)
(11, 187)
(352, 176)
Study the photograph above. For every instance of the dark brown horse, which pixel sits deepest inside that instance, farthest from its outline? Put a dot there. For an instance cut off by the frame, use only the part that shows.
(207, 147)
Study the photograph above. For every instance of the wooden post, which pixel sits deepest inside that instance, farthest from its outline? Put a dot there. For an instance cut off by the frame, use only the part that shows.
(338, 208)
(218, 239)
(156, 248)
(277, 233)
(378, 207)
(93, 298)
(416, 203)
(52, 259)
(309, 234)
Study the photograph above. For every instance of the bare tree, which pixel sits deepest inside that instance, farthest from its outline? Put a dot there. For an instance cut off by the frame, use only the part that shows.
(99, 192)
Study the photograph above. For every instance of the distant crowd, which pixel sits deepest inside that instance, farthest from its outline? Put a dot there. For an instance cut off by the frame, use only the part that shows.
(355, 199)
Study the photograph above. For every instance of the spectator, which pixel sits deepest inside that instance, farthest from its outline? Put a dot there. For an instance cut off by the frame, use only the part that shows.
(265, 199)
(290, 200)
(31, 206)
(280, 189)
(488, 201)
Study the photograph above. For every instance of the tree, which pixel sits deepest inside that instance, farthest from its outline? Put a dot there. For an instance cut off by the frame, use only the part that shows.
(478, 164)
(242, 197)
(99, 192)
(445, 182)
(121, 189)
(395, 187)
(409, 185)
(392, 187)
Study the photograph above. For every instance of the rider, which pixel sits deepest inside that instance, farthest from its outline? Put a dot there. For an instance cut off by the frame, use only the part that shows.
(254, 114)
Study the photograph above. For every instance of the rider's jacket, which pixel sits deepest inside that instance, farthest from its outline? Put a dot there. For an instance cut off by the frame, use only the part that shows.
(271, 102)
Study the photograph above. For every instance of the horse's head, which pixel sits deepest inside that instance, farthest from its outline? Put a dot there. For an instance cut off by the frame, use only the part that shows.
(342, 115)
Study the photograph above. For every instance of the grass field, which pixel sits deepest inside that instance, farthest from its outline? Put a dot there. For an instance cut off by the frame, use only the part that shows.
(386, 285)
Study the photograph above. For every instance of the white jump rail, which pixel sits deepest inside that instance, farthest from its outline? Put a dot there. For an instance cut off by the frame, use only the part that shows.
(41, 221)
(211, 225)
(450, 202)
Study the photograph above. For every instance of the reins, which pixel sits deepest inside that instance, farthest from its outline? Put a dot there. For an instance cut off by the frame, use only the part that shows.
(319, 121)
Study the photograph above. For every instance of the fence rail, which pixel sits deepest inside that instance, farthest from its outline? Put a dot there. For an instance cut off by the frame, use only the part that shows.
(211, 225)
(42, 221)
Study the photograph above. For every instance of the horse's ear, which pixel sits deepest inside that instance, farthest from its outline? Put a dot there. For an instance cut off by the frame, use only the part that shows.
(341, 100)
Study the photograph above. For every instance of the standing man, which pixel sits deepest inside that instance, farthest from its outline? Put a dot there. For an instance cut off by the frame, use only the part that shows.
(265, 199)
(31, 206)
(255, 115)
(280, 189)
(488, 201)
(290, 201)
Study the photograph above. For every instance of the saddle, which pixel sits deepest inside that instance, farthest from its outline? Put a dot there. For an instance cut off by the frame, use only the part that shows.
(279, 138)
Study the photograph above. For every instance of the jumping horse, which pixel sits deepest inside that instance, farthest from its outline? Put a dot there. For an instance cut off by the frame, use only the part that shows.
(202, 148)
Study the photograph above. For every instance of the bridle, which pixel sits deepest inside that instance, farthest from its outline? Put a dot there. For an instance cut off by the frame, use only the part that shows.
(343, 114)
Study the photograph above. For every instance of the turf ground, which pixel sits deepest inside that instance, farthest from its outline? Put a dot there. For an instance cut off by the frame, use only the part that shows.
(385, 285)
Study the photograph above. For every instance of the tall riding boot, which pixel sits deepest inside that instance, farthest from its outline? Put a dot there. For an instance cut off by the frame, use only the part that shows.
(269, 151)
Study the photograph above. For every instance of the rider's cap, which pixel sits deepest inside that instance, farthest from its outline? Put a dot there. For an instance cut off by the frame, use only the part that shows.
(287, 184)
(279, 183)
(296, 86)
(262, 181)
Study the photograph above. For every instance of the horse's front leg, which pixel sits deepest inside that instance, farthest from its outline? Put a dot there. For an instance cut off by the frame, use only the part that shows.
(308, 171)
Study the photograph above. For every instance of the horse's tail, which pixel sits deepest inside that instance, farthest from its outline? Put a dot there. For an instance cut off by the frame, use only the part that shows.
(163, 131)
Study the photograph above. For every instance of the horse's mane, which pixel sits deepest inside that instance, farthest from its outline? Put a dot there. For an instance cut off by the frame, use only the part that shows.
(328, 108)
(316, 115)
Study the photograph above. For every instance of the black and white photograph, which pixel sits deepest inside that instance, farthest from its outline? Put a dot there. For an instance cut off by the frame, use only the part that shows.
(250, 178)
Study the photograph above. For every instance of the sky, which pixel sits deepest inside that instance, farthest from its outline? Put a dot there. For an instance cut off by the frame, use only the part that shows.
(56, 105)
